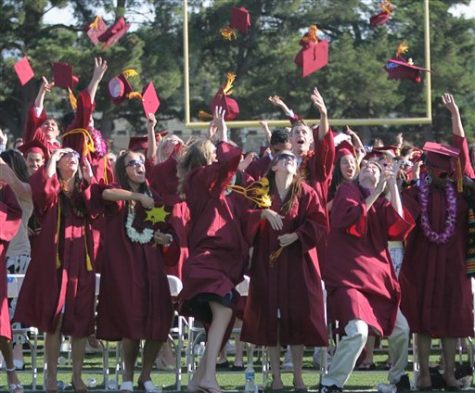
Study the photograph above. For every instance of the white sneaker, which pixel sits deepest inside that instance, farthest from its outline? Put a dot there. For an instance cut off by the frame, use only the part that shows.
(387, 388)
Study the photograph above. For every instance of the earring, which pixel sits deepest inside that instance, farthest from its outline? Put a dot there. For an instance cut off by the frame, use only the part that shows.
(428, 179)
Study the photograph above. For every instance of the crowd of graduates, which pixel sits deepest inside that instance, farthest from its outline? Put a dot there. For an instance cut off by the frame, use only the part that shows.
(385, 231)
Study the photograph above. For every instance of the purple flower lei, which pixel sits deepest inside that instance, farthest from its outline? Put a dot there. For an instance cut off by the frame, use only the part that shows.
(99, 143)
(451, 199)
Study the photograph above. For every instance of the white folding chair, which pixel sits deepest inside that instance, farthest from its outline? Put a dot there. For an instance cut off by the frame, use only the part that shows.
(14, 283)
(176, 286)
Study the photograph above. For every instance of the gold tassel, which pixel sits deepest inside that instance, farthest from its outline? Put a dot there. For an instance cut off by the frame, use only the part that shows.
(95, 24)
(257, 192)
(73, 102)
(386, 6)
(88, 141)
(205, 116)
(276, 254)
(228, 33)
(459, 176)
(402, 48)
(230, 78)
(104, 175)
(134, 95)
(56, 236)
(88, 258)
(129, 72)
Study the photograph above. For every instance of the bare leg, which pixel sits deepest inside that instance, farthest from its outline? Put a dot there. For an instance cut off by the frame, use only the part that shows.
(238, 358)
(52, 346)
(7, 352)
(369, 349)
(297, 360)
(221, 318)
(423, 352)
(78, 349)
(150, 352)
(449, 349)
(274, 353)
(130, 350)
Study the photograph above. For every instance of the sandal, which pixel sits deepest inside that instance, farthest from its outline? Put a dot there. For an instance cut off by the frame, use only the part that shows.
(149, 387)
(126, 386)
(14, 387)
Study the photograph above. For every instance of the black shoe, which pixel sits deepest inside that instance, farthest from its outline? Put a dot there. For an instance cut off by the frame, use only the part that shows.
(329, 389)
(403, 385)
(222, 365)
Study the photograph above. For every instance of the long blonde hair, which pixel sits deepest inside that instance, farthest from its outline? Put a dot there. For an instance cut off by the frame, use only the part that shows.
(197, 154)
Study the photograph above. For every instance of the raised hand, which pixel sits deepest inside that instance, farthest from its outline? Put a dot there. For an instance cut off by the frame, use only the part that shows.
(45, 85)
(151, 121)
(276, 101)
(87, 170)
(317, 100)
(100, 68)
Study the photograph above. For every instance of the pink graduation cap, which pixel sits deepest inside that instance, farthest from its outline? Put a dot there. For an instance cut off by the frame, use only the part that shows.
(314, 53)
(400, 68)
(98, 31)
(24, 71)
(382, 17)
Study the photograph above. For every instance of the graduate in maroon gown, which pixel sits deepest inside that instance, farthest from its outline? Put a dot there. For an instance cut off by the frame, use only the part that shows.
(57, 295)
(436, 291)
(10, 220)
(38, 126)
(285, 304)
(362, 286)
(134, 298)
(216, 244)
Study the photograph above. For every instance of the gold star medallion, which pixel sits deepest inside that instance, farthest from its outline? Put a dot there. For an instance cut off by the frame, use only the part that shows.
(156, 214)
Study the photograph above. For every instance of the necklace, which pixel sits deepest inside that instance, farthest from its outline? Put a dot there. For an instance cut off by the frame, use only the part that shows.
(451, 203)
(143, 237)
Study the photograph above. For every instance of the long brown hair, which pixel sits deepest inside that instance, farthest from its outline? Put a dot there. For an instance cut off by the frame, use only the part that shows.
(17, 163)
(197, 154)
(295, 187)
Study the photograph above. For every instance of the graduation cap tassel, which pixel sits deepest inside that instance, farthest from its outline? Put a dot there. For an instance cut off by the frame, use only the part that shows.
(230, 78)
(401, 49)
(73, 102)
(312, 33)
(228, 33)
(459, 176)
(276, 254)
(56, 235)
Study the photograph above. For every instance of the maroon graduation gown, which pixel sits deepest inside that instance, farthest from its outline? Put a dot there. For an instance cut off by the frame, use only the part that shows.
(359, 276)
(163, 180)
(10, 220)
(47, 289)
(33, 130)
(293, 285)
(217, 245)
(134, 297)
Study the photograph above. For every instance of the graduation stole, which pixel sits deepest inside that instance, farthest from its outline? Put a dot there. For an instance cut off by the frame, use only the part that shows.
(56, 240)
(257, 192)
(89, 146)
(470, 257)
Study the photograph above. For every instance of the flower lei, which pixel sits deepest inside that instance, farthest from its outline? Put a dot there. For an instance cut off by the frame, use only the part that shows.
(143, 237)
(99, 143)
(451, 199)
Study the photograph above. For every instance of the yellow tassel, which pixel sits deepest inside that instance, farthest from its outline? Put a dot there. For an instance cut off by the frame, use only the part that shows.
(459, 176)
(205, 116)
(104, 175)
(56, 235)
(134, 95)
(73, 102)
(386, 6)
(276, 254)
(88, 258)
(88, 141)
(129, 72)
(312, 33)
(95, 24)
(230, 77)
(402, 48)
(228, 33)
(257, 192)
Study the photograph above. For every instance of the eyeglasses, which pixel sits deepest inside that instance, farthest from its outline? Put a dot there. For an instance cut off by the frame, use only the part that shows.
(135, 163)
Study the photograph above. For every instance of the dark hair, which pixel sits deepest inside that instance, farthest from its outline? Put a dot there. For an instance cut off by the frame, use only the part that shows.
(338, 177)
(66, 120)
(17, 163)
(279, 136)
(121, 173)
(295, 187)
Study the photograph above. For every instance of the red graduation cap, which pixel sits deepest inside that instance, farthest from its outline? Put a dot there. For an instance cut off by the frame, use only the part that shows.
(150, 100)
(344, 148)
(440, 156)
(120, 87)
(34, 146)
(240, 19)
(137, 143)
(314, 53)
(95, 29)
(222, 99)
(385, 14)
(114, 33)
(24, 71)
(63, 76)
(400, 68)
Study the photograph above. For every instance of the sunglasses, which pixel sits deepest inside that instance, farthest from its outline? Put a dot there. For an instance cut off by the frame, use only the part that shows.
(285, 156)
(73, 154)
(135, 163)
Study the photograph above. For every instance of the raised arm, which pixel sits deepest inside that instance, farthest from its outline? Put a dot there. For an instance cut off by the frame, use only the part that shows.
(40, 98)
(151, 140)
(356, 141)
(318, 102)
(119, 194)
(279, 103)
(100, 68)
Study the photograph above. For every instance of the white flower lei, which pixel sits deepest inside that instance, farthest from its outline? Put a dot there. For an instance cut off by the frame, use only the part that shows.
(143, 237)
